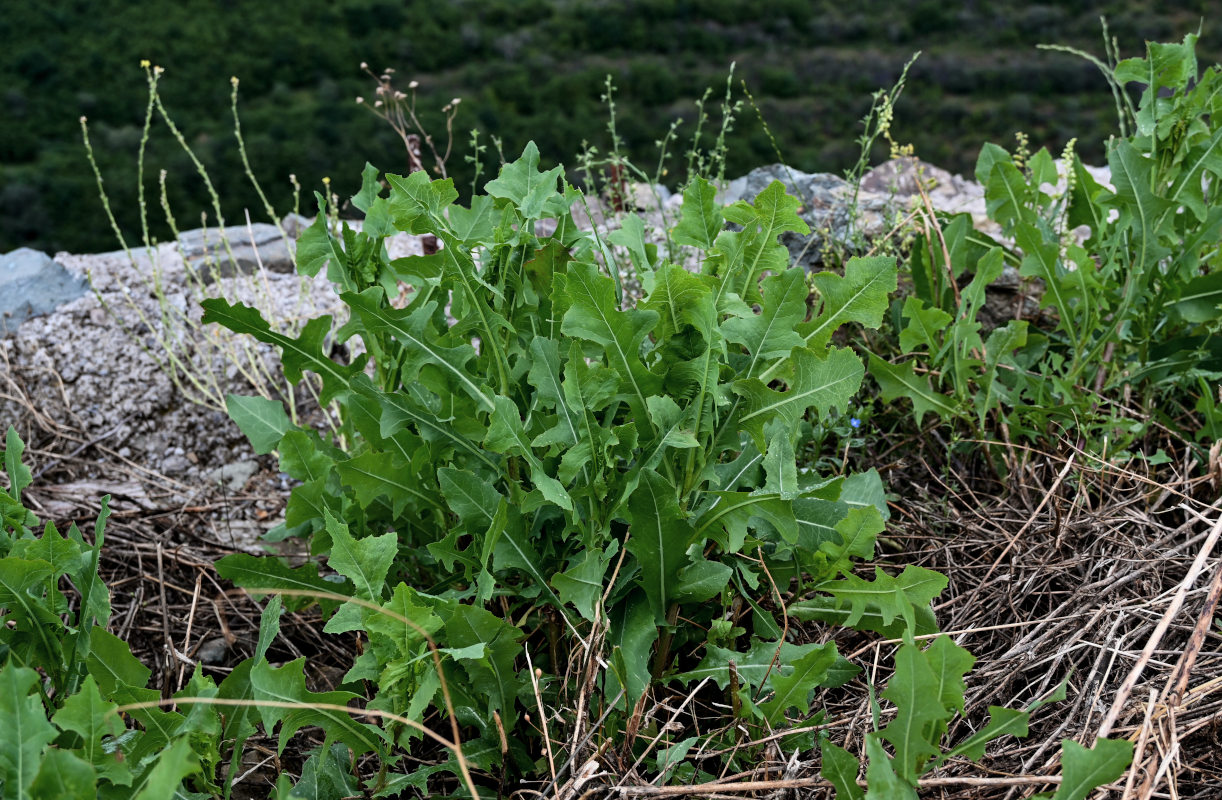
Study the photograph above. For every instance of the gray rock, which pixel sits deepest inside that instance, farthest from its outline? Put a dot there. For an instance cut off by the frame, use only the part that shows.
(294, 224)
(234, 250)
(175, 465)
(212, 652)
(233, 477)
(819, 189)
(32, 284)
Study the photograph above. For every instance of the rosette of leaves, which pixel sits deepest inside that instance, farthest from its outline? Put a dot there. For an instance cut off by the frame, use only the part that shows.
(535, 475)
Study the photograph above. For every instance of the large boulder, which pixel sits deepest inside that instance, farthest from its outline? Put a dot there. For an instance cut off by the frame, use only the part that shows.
(33, 284)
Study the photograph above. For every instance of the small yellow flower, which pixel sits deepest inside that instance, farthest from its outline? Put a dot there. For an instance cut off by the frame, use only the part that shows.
(144, 62)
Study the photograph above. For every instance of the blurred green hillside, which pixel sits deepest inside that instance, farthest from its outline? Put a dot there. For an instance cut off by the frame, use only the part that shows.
(526, 69)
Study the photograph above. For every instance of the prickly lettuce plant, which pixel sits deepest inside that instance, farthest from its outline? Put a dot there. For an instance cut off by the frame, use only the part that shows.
(526, 466)
(586, 504)
(1130, 274)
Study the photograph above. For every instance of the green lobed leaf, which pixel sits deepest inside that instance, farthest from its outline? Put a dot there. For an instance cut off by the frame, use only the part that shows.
(507, 434)
(1140, 209)
(898, 381)
(925, 326)
(892, 597)
(93, 719)
(1005, 194)
(581, 585)
(680, 298)
(418, 204)
(296, 355)
(327, 773)
(364, 561)
(660, 535)
(838, 612)
(819, 381)
(631, 236)
(375, 474)
(793, 689)
(921, 715)
(883, 782)
(1085, 770)
(263, 421)
(63, 776)
(494, 670)
(112, 664)
(18, 473)
(302, 455)
(700, 219)
(26, 729)
(771, 333)
(370, 188)
(400, 411)
(1002, 722)
(593, 315)
(165, 778)
(515, 551)
(734, 513)
(522, 182)
(990, 155)
(477, 223)
(316, 247)
(22, 588)
(773, 213)
(701, 579)
(287, 685)
(860, 296)
(411, 328)
(840, 768)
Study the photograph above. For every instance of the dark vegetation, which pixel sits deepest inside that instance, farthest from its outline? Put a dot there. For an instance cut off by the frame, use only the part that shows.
(525, 70)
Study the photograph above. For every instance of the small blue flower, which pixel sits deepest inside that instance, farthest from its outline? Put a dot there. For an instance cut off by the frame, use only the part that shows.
(855, 422)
